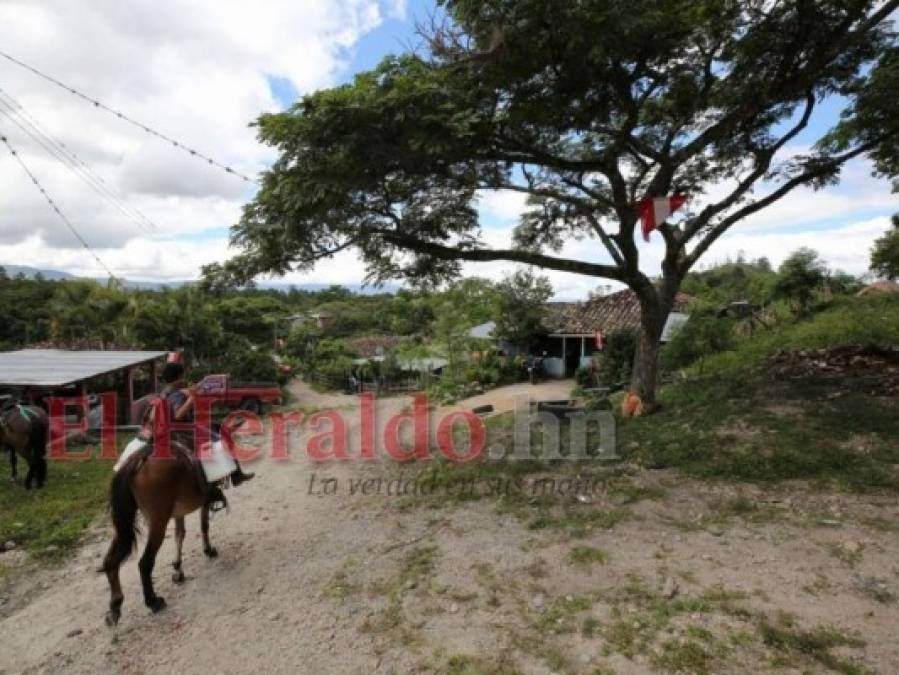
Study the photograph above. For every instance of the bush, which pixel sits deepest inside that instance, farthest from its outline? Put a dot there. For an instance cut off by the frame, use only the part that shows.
(617, 358)
(328, 363)
(704, 334)
(241, 360)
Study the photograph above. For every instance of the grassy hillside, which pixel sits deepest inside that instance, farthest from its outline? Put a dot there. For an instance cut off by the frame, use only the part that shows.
(741, 417)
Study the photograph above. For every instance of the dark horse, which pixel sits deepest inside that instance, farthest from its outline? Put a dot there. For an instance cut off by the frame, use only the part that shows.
(24, 431)
(160, 489)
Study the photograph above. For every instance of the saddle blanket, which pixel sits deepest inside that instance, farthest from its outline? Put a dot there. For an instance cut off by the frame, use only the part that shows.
(217, 463)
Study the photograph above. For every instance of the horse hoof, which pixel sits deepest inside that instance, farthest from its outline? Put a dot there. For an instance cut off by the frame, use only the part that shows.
(178, 577)
(112, 618)
(157, 604)
(211, 552)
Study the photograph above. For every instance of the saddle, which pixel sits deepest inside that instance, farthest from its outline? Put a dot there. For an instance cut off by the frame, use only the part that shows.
(145, 447)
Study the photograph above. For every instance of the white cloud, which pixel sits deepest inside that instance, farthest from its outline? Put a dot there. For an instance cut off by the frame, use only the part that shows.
(847, 247)
(197, 71)
(501, 206)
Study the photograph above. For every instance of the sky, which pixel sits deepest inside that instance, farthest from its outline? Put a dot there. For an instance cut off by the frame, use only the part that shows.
(201, 72)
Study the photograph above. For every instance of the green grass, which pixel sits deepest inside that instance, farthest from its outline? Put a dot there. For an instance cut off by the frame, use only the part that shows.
(587, 556)
(736, 421)
(57, 515)
(868, 320)
(683, 657)
(816, 644)
(561, 615)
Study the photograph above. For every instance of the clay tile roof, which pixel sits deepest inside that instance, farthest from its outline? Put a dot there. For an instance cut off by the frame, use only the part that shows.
(607, 313)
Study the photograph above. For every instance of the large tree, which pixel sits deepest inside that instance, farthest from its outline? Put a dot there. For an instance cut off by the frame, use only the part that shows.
(587, 107)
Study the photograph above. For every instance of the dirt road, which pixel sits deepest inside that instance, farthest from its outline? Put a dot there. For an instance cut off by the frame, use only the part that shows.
(313, 583)
(258, 607)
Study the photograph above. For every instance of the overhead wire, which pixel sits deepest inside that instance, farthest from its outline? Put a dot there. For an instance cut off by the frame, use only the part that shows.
(53, 205)
(122, 116)
(16, 114)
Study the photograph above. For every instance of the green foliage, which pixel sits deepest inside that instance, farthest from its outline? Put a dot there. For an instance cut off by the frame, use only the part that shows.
(885, 254)
(523, 295)
(255, 317)
(631, 85)
(798, 277)
(617, 102)
(242, 360)
(617, 358)
(329, 363)
(57, 515)
(849, 320)
(738, 422)
(752, 281)
(704, 334)
(25, 308)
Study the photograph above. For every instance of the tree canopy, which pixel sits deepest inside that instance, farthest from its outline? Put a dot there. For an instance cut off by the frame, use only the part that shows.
(587, 108)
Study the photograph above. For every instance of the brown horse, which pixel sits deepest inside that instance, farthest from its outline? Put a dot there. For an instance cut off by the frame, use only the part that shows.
(160, 489)
(24, 431)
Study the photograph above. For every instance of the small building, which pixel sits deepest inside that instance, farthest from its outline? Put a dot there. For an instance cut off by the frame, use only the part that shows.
(487, 331)
(35, 374)
(572, 327)
(318, 319)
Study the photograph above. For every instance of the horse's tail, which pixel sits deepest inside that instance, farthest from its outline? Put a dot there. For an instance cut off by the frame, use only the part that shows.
(123, 506)
(38, 434)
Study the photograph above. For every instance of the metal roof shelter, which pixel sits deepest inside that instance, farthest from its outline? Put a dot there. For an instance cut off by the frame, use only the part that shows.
(60, 367)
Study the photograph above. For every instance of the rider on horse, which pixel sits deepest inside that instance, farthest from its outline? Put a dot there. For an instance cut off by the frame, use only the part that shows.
(181, 401)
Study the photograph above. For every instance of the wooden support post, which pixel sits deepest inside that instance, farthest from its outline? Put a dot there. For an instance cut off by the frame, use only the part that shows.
(154, 375)
(129, 390)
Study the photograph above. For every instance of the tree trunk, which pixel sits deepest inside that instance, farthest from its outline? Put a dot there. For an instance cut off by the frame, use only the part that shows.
(653, 314)
(646, 361)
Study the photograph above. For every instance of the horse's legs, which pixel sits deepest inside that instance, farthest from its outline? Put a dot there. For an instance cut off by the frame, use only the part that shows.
(208, 548)
(178, 576)
(30, 475)
(155, 537)
(111, 564)
(13, 461)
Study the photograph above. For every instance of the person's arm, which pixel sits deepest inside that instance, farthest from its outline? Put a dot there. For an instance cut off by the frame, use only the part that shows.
(185, 408)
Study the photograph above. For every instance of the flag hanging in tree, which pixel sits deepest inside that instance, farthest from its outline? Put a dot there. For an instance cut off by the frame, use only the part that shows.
(654, 211)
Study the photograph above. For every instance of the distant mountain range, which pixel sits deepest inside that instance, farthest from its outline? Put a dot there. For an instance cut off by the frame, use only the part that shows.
(56, 275)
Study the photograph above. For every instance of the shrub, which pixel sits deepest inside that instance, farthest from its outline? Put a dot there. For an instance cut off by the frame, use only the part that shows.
(704, 334)
(618, 356)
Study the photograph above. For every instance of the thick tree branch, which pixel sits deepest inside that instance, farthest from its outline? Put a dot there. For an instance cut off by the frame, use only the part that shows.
(445, 252)
(817, 172)
(763, 162)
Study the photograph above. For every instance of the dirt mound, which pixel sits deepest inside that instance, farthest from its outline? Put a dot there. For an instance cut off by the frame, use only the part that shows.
(875, 367)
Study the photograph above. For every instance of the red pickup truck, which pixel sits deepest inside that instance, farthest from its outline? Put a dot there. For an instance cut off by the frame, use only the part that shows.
(243, 395)
(248, 396)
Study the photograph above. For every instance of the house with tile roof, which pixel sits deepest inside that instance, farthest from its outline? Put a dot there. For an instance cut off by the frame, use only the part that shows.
(572, 327)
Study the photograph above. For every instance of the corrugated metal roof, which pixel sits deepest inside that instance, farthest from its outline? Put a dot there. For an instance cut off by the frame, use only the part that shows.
(483, 331)
(57, 367)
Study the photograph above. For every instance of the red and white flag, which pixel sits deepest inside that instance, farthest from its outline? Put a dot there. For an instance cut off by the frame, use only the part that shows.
(655, 210)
